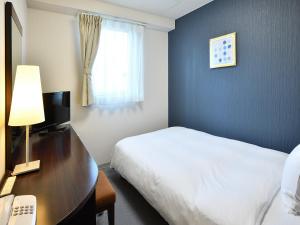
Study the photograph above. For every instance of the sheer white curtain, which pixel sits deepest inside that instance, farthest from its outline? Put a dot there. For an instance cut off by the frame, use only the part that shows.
(118, 72)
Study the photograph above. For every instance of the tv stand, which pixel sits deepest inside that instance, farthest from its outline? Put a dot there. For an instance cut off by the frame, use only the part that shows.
(59, 128)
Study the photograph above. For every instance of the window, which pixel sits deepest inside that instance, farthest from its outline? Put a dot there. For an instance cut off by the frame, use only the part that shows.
(118, 73)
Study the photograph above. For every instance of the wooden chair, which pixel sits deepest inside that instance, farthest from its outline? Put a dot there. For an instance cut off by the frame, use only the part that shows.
(105, 197)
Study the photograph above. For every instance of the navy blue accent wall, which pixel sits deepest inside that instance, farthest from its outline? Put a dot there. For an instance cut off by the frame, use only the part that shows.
(259, 100)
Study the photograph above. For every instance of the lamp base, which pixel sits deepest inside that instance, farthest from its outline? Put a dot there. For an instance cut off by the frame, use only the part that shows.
(26, 168)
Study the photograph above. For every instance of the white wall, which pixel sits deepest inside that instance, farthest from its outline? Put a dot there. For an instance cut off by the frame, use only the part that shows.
(21, 9)
(53, 43)
(72, 7)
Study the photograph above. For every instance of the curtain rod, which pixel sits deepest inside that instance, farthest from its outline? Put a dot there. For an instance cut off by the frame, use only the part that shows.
(115, 18)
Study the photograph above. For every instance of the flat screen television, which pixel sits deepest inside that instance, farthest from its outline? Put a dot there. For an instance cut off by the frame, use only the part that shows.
(57, 110)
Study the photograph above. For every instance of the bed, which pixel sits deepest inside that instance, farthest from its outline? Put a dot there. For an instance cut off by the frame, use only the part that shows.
(194, 178)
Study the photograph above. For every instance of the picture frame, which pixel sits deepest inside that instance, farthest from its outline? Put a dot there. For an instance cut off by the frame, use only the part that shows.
(222, 51)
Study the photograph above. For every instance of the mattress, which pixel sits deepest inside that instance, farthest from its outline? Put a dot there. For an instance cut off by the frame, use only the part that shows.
(191, 177)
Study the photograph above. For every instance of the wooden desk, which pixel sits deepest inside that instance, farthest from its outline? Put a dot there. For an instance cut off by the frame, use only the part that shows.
(65, 184)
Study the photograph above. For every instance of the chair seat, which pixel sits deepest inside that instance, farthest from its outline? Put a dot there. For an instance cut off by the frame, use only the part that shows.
(105, 194)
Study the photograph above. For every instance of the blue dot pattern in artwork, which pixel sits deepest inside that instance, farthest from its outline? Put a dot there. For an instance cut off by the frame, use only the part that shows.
(229, 46)
(224, 53)
(224, 42)
(216, 56)
(220, 60)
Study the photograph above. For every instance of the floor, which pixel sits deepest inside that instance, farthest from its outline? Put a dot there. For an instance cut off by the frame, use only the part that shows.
(131, 208)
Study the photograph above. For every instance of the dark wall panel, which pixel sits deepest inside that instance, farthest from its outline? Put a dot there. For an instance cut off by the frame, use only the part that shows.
(259, 100)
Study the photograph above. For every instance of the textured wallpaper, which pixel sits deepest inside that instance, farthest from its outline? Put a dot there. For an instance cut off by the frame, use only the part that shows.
(258, 101)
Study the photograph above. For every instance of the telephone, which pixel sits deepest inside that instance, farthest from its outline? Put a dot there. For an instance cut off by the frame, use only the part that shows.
(19, 210)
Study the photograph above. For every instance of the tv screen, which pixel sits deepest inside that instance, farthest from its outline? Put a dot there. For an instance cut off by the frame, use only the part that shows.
(57, 110)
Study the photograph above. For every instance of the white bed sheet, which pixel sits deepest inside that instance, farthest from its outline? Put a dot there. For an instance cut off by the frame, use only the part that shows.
(193, 178)
(278, 215)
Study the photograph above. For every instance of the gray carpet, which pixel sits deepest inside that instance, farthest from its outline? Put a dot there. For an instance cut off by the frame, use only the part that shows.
(131, 208)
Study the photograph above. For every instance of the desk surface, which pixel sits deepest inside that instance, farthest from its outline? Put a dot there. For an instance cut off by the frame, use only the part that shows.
(66, 180)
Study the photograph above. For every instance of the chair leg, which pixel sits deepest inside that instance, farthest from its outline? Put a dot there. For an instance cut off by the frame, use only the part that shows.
(111, 215)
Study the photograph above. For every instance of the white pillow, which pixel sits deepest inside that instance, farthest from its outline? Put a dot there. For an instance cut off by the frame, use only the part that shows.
(290, 184)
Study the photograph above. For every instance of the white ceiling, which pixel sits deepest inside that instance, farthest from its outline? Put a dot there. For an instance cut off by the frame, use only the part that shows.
(167, 8)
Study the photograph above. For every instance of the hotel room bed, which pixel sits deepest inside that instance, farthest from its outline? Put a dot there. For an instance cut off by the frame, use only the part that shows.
(192, 178)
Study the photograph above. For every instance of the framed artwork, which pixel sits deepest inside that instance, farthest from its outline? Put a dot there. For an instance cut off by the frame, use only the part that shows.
(222, 51)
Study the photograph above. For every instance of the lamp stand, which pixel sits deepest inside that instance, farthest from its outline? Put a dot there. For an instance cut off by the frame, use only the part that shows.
(28, 166)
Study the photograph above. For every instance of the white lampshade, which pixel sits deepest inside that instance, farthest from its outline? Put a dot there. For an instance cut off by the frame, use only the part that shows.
(27, 106)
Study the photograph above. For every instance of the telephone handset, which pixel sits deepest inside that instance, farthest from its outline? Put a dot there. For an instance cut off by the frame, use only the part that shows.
(19, 210)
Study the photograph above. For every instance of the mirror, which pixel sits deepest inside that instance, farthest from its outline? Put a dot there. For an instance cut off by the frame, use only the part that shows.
(13, 58)
(16, 49)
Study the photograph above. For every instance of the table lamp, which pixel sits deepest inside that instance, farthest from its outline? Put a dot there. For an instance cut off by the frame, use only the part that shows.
(27, 108)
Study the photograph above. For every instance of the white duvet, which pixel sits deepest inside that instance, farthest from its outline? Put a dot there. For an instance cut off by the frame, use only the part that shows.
(193, 178)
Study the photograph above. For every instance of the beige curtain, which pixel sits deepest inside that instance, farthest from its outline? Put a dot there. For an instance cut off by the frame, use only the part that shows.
(90, 28)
